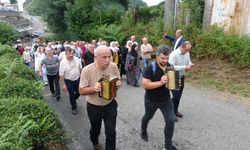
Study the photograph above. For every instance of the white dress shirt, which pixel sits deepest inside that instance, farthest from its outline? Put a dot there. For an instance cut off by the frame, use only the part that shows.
(179, 60)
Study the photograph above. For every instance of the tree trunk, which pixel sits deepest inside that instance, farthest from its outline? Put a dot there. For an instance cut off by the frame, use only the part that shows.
(169, 14)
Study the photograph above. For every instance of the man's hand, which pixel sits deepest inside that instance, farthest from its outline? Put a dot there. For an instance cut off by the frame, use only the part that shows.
(40, 73)
(118, 84)
(164, 79)
(64, 87)
(97, 87)
(189, 67)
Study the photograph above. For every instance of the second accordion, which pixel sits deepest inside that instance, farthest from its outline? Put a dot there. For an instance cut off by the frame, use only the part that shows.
(174, 80)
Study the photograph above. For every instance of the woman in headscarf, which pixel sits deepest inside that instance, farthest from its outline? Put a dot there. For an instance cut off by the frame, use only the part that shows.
(122, 56)
(132, 66)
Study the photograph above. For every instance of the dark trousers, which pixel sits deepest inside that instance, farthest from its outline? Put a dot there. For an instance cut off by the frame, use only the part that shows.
(54, 79)
(177, 95)
(167, 111)
(73, 89)
(108, 113)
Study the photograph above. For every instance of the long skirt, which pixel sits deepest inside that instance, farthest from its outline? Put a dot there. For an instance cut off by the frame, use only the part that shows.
(133, 76)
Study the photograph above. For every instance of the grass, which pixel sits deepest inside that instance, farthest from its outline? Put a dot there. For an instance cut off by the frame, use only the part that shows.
(221, 75)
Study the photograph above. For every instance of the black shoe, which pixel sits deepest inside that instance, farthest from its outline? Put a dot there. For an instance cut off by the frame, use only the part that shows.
(74, 111)
(178, 114)
(173, 148)
(144, 135)
(97, 147)
(53, 94)
(58, 98)
(176, 119)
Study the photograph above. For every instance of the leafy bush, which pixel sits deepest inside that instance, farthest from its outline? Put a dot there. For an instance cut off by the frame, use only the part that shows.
(37, 123)
(6, 49)
(7, 33)
(10, 57)
(18, 87)
(15, 69)
(17, 136)
(215, 43)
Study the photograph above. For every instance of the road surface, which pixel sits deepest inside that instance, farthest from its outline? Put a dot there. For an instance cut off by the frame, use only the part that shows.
(212, 121)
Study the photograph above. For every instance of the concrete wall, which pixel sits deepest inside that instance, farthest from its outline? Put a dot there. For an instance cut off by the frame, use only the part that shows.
(232, 15)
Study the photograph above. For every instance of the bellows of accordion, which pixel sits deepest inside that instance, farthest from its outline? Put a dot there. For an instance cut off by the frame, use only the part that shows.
(108, 86)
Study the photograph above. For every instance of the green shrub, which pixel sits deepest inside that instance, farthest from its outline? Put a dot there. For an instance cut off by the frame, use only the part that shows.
(7, 33)
(16, 69)
(10, 57)
(17, 136)
(6, 49)
(18, 87)
(214, 43)
(46, 126)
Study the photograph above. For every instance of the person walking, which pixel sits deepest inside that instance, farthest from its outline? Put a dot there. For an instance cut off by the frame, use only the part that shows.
(88, 57)
(39, 56)
(157, 96)
(123, 55)
(51, 63)
(98, 108)
(146, 50)
(69, 72)
(180, 60)
(132, 67)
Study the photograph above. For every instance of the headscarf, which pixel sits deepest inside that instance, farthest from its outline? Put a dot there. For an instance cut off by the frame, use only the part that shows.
(134, 53)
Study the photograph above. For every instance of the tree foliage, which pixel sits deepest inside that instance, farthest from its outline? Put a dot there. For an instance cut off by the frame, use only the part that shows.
(87, 14)
(53, 12)
(196, 8)
(135, 3)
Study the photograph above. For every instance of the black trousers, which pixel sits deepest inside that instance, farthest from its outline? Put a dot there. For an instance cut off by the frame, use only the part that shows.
(167, 111)
(177, 95)
(54, 80)
(73, 89)
(108, 114)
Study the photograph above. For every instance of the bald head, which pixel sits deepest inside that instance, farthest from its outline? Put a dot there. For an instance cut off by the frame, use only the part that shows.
(102, 56)
(101, 49)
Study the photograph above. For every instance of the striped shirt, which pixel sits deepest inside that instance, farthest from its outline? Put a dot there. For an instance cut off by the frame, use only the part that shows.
(52, 64)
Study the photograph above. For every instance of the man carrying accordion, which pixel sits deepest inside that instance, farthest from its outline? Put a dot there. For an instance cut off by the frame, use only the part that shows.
(99, 82)
(157, 96)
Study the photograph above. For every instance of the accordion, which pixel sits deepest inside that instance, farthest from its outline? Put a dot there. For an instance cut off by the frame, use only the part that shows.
(108, 87)
(174, 80)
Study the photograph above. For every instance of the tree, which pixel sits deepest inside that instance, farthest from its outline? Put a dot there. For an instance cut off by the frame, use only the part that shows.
(87, 14)
(169, 13)
(197, 9)
(53, 12)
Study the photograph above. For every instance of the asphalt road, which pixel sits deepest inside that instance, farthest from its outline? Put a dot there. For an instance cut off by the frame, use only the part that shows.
(212, 121)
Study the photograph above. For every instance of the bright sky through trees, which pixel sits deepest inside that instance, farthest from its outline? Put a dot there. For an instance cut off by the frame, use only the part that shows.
(152, 2)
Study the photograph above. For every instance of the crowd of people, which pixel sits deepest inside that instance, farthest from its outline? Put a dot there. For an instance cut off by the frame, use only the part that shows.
(77, 67)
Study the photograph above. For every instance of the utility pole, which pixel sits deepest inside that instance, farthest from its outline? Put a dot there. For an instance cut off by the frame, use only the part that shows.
(170, 13)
